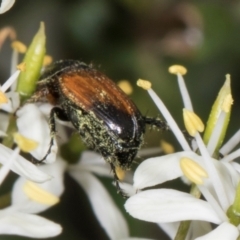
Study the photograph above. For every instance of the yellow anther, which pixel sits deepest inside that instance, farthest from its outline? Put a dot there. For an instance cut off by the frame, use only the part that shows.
(3, 98)
(21, 67)
(38, 194)
(192, 170)
(125, 86)
(146, 85)
(25, 144)
(227, 103)
(47, 60)
(19, 46)
(120, 173)
(175, 69)
(7, 32)
(192, 122)
(166, 147)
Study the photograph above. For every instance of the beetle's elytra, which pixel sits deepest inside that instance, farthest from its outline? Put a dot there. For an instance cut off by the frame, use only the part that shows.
(105, 117)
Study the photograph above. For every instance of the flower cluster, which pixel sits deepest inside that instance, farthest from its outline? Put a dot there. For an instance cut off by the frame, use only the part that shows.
(212, 172)
(24, 128)
(204, 163)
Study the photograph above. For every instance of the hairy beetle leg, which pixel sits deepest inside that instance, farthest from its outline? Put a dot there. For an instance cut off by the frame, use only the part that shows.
(162, 125)
(56, 112)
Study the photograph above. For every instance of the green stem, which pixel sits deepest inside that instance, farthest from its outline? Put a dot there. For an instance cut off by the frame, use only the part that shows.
(236, 203)
(184, 226)
(182, 230)
(12, 128)
(233, 211)
(5, 200)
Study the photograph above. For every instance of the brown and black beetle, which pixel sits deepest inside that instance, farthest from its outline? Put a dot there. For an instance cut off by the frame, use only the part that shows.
(105, 117)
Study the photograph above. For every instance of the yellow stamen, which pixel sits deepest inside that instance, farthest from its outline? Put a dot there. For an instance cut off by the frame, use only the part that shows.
(193, 171)
(38, 194)
(21, 66)
(3, 98)
(120, 173)
(175, 69)
(125, 86)
(144, 84)
(47, 60)
(19, 46)
(192, 122)
(25, 144)
(227, 103)
(166, 147)
(7, 32)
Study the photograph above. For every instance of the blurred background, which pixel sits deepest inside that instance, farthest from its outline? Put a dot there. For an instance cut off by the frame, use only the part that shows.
(129, 39)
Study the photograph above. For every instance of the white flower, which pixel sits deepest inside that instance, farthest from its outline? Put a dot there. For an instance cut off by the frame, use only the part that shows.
(32, 124)
(29, 198)
(216, 180)
(24, 200)
(105, 210)
(38, 188)
(9, 101)
(29, 225)
(22, 166)
(5, 5)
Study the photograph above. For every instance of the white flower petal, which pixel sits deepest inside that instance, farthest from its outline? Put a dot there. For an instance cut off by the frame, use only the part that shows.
(2, 133)
(230, 178)
(127, 188)
(91, 158)
(199, 228)
(32, 124)
(15, 99)
(13, 102)
(23, 167)
(6, 5)
(230, 144)
(28, 225)
(92, 162)
(222, 232)
(234, 174)
(55, 186)
(167, 205)
(6, 167)
(7, 107)
(157, 170)
(169, 228)
(103, 206)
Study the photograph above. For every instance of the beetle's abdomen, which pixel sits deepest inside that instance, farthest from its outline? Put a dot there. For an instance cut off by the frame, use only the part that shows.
(97, 95)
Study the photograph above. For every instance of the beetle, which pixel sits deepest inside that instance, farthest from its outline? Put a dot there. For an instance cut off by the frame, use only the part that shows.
(105, 117)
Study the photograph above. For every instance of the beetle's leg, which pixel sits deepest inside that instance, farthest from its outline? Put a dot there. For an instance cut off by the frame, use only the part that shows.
(39, 96)
(56, 112)
(119, 190)
(162, 125)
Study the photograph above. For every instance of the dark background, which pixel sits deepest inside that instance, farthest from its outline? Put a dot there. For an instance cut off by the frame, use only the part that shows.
(129, 39)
